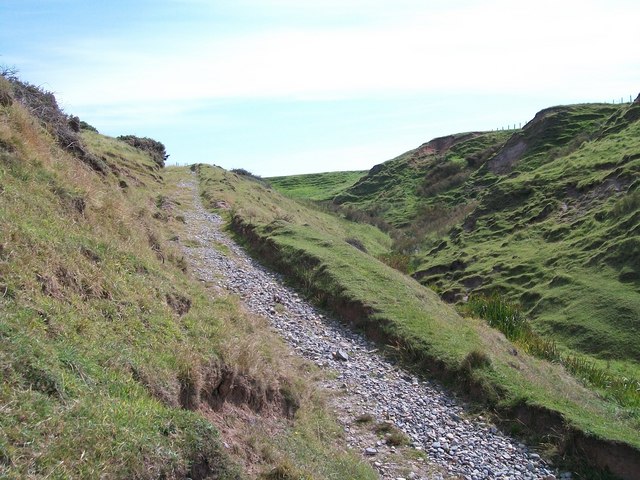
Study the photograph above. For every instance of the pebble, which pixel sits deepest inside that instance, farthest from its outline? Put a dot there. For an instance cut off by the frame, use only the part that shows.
(340, 354)
(437, 422)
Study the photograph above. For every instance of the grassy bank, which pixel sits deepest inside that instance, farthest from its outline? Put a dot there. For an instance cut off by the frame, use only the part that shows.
(315, 186)
(511, 320)
(546, 216)
(429, 334)
(90, 344)
(110, 352)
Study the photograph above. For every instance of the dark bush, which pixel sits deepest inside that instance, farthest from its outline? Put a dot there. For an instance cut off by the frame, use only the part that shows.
(399, 261)
(354, 242)
(64, 128)
(153, 147)
(244, 173)
(85, 126)
(251, 176)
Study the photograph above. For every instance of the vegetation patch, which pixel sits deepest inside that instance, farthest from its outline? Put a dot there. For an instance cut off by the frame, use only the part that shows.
(392, 435)
(546, 215)
(510, 320)
(317, 187)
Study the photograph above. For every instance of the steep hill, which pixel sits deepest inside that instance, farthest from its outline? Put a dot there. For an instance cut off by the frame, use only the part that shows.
(547, 216)
(115, 361)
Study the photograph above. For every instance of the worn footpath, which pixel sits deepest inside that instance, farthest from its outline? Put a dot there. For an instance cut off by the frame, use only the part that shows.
(445, 439)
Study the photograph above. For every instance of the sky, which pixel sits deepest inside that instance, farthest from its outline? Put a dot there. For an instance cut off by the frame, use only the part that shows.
(282, 87)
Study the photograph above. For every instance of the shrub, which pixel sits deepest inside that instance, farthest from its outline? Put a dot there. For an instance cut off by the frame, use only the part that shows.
(256, 178)
(85, 126)
(393, 435)
(43, 106)
(501, 314)
(354, 242)
(476, 359)
(397, 439)
(397, 260)
(154, 148)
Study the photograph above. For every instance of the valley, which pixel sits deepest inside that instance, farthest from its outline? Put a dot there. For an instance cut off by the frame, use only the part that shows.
(138, 340)
(546, 217)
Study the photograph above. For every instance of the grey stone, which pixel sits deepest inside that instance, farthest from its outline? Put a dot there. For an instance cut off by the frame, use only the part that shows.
(340, 354)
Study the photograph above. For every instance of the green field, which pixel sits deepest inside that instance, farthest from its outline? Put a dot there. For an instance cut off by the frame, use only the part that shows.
(547, 216)
(315, 186)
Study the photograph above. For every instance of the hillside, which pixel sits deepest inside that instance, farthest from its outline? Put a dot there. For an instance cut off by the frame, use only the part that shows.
(116, 361)
(547, 216)
(335, 263)
(316, 186)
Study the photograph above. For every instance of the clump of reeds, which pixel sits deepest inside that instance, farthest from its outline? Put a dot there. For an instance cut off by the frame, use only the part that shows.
(509, 318)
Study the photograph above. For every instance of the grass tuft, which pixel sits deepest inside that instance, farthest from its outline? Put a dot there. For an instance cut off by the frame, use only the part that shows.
(510, 320)
(364, 418)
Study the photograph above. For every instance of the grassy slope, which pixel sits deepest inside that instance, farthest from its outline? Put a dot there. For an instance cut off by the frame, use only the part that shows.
(104, 340)
(315, 186)
(395, 190)
(84, 308)
(426, 330)
(257, 201)
(556, 231)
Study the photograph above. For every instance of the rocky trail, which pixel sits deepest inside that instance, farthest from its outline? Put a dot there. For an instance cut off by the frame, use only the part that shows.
(446, 440)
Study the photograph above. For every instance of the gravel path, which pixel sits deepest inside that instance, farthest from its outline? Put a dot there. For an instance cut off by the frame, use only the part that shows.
(460, 444)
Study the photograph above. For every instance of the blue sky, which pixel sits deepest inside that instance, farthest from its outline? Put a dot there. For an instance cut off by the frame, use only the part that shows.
(297, 86)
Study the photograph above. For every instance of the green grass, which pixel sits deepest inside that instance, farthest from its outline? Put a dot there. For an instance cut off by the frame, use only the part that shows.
(105, 338)
(500, 314)
(396, 310)
(555, 229)
(84, 308)
(510, 320)
(570, 259)
(256, 201)
(310, 454)
(315, 186)
(394, 190)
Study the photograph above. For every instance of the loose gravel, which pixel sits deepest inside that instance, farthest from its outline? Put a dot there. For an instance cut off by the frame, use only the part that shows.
(461, 444)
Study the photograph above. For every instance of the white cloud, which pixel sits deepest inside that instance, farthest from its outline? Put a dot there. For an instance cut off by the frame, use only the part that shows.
(499, 46)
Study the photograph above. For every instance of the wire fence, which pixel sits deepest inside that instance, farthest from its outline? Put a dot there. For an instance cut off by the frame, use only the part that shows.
(613, 101)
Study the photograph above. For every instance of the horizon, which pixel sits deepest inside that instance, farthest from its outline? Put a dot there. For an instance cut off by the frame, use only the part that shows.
(282, 88)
